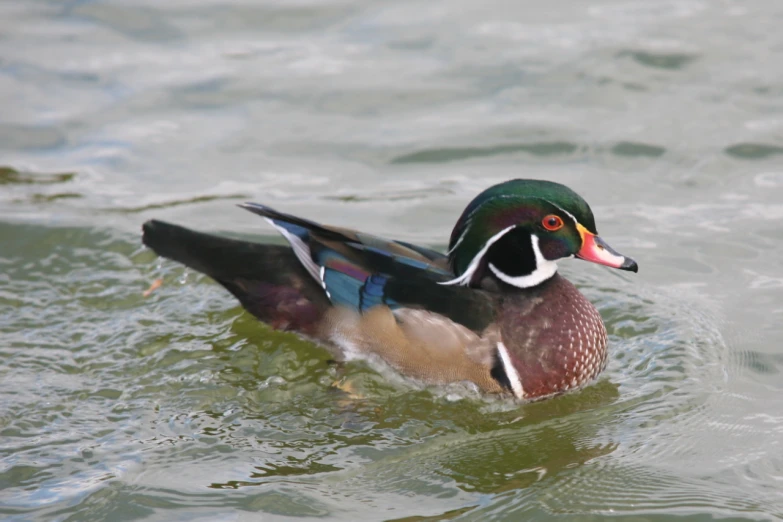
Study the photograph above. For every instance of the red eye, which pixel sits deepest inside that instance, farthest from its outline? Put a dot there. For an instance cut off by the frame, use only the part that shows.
(552, 222)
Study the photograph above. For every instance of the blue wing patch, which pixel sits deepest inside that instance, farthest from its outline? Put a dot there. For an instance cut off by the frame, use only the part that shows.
(351, 285)
(373, 293)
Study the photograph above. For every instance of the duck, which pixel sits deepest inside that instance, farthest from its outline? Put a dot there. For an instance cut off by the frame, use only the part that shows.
(492, 311)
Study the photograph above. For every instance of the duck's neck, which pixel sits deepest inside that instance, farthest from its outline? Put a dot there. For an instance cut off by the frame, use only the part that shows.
(516, 260)
(493, 283)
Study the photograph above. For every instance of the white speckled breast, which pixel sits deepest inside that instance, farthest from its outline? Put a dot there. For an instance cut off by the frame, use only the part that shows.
(555, 337)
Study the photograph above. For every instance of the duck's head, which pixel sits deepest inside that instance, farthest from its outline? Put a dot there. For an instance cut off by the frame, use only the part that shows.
(515, 232)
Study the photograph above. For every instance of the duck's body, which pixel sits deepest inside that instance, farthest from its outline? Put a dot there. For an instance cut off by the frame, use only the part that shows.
(493, 311)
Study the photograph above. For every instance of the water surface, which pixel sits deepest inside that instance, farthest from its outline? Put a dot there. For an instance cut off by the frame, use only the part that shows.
(666, 116)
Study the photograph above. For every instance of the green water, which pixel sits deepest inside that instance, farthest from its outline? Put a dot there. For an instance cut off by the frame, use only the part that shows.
(387, 116)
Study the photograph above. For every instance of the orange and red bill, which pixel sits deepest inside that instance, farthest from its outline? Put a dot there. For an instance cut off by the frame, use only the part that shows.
(598, 251)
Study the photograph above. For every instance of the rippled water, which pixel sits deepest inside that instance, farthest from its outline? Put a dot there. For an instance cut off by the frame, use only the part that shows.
(666, 116)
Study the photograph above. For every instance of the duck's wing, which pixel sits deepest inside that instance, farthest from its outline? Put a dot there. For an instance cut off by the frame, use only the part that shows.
(352, 290)
(359, 271)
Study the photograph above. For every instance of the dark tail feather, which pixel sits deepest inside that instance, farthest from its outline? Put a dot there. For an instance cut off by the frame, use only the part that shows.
(281, 218)
(269, 212)
(212, 255)
(267, 279)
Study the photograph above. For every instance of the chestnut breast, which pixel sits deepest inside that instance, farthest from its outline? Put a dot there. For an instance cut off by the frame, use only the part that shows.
(555, 337)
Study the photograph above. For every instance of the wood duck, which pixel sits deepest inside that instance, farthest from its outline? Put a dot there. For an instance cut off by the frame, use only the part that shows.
(492, 311)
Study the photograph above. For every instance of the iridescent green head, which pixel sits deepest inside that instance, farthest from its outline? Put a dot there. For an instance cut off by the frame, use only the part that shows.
(515, 231)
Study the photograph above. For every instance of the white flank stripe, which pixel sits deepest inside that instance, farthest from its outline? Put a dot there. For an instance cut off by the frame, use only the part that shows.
(511, 372)
(544, 269)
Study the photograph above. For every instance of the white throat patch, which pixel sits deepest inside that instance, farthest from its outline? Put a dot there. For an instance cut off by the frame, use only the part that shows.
(544, 269)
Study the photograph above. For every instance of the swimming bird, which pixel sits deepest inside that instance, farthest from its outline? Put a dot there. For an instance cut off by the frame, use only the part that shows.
(492, 310)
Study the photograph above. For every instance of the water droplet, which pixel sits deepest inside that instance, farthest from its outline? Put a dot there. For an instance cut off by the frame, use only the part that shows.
(183, 279)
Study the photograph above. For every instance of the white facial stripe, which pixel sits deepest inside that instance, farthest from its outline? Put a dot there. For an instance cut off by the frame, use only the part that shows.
(511, 372)
(544, 269)
(465, 278)
(461, 237)
(566, 213)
